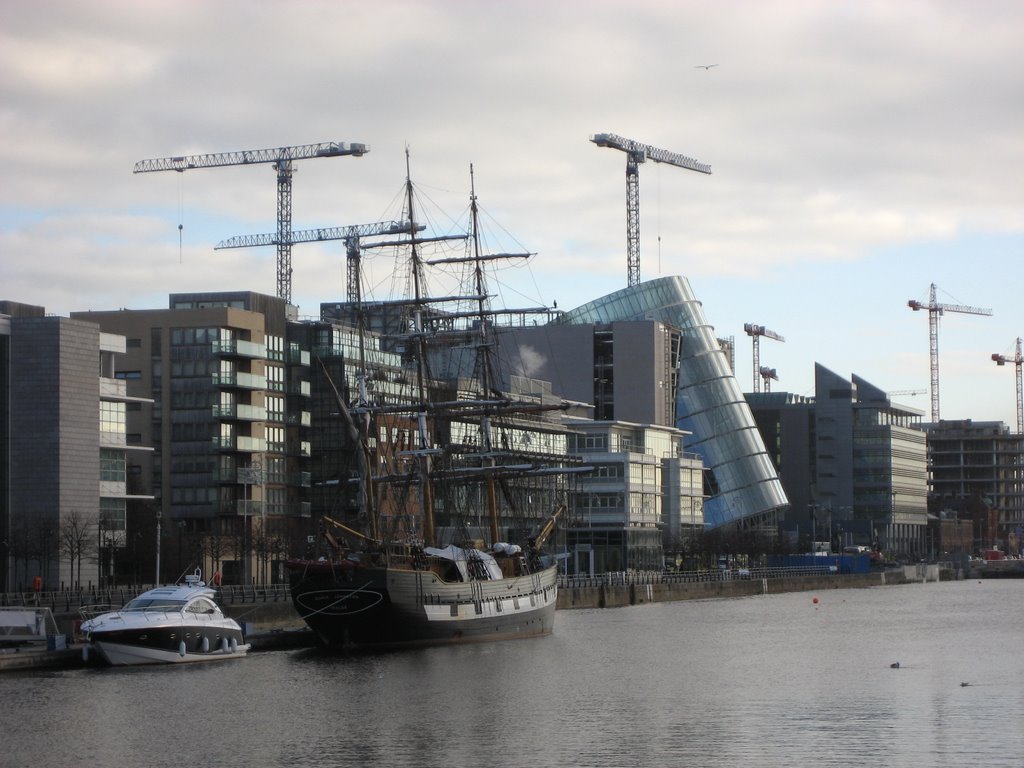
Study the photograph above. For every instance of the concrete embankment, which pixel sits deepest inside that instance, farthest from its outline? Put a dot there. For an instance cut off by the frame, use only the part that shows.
(275, 625)
(606, 595)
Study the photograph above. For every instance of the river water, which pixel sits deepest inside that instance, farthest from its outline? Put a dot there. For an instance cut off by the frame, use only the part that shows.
(775, 680)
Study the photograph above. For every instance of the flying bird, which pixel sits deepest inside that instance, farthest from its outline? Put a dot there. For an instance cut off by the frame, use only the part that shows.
(705, 66)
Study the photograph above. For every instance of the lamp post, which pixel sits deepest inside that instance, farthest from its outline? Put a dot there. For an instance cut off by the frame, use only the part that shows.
(181, 526)
(159, 531)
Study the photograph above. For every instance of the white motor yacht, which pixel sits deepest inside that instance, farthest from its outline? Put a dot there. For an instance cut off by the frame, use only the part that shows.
(166, 625)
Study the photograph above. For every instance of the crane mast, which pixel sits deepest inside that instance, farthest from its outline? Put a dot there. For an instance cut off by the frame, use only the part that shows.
(935, 310)
(1018, 361)
(756, 332)
(769, 375)
(282, 159)
(637, 153)
(349, 234)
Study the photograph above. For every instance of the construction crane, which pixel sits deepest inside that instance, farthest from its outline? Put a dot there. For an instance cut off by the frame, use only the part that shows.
(935, 310)
(756, 332)
(768, 374)
(350, 235)
(1017, 360)
(899, 392)
(637, 153)
(282, 159)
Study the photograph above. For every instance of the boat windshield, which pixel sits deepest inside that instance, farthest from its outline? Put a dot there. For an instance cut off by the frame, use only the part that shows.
(153, 604)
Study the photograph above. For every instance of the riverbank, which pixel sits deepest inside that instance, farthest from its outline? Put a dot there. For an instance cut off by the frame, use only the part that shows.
(605, 593)
(274, 625)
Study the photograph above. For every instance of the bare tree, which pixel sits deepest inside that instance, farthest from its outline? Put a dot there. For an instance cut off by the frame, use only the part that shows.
(40, 544)
(217, 546)
(75, 541)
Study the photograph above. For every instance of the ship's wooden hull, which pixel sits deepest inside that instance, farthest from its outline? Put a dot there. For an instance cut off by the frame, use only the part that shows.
(355, 606)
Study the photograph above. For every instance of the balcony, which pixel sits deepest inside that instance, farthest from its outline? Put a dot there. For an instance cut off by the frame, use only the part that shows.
(239, 381)
(251, 444)
(239, 348)
(298, 357)
(241, 443)
(248, 508)
(302, 419)
(240, 412)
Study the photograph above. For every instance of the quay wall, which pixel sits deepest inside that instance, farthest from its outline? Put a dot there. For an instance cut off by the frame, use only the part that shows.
(606, 595)
(272, 610)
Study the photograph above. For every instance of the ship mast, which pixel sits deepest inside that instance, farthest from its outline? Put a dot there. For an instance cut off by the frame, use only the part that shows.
(483, 360)
(426, 495)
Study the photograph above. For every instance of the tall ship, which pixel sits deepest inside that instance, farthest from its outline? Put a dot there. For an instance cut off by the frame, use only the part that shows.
(451, 488)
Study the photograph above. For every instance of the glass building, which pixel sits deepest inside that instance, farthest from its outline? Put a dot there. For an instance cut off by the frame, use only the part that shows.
(745, 487)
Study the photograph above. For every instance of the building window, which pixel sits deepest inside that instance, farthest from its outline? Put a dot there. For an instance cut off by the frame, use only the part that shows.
(112, 417)
(275, 408)
(128, 375)
(112, 466)
(275, 439)
(112, 514)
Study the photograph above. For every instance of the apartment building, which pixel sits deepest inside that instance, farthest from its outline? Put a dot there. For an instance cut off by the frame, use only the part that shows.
(67, 483)
(229, 425)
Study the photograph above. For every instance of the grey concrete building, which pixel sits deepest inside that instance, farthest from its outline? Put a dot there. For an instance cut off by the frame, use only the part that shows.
(854, 461)
(65, 490)
(627, 369)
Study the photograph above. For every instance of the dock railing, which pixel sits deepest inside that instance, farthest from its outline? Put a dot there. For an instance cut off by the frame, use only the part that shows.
(68, 600)
(629, 578)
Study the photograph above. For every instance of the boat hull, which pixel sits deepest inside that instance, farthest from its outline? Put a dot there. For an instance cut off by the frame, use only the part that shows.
(380, 607)
(168, 645)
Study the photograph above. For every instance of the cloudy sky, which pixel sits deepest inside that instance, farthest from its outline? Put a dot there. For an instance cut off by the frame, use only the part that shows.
(860, 152)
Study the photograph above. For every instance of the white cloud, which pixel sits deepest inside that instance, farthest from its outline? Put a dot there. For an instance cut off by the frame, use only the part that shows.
(836, 131)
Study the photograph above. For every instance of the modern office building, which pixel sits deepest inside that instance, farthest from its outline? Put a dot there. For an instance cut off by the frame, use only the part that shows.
(68, 463)
(744, 488)
(977, 473)
(854, 461)
(787, 425)
(628, 370)
(644, 495)
(229, 425)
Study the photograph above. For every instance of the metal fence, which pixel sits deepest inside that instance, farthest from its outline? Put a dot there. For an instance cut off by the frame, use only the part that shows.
(72, 600)
(629, 578)
(66, 601)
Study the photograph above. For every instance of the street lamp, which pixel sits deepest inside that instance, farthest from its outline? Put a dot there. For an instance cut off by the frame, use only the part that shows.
(181, 526)
(159, 531)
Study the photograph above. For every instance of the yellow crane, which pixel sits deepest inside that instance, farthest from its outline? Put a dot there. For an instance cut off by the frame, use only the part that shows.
(1017, 360)
(637, 153)
(281, 158)
(936, 310)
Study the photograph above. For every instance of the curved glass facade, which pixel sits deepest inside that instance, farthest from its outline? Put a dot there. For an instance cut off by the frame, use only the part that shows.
(709, 402)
